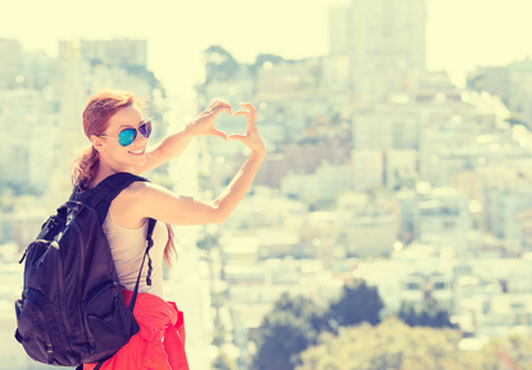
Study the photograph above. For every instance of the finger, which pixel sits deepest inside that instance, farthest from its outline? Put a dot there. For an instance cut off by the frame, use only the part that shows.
(236, 137)
(251, 109)
(222, 134)
(224, 106)
(249, 106)
(220, 100)
(216, 105)
(216, 110)
(212, 105)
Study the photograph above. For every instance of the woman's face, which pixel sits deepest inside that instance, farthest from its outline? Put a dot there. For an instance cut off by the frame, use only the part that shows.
(122, 158)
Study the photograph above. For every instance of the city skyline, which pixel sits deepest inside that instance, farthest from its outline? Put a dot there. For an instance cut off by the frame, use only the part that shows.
(377, 170)
(460, 36)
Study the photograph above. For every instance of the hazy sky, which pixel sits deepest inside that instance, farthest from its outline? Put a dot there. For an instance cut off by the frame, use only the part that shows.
(461, 34)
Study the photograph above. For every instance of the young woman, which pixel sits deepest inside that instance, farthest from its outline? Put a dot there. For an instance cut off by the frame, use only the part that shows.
(115, 123)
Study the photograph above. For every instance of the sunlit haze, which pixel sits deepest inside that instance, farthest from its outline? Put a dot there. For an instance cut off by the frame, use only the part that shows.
(460, 34)
(378, 185)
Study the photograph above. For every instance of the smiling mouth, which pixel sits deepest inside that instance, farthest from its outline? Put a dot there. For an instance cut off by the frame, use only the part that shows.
(138, 152)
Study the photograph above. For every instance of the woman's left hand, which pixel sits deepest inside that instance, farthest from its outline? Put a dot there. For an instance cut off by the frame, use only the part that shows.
(204, 124)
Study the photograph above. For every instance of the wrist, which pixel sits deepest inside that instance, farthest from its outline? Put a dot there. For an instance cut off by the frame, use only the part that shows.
(189, 130)
(259, 153)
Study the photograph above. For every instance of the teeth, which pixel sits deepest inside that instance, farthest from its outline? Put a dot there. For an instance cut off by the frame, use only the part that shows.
(138, 151)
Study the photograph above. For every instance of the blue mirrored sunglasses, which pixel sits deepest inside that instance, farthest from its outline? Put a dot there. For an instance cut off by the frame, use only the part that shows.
(128, 135)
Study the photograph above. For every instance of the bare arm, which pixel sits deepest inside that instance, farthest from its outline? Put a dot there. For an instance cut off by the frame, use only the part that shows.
(154, 201)
(151, 200)
(173, 145)
(166, 150)
(238, 187)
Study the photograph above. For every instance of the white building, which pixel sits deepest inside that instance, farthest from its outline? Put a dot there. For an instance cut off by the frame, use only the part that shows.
(439, 216)
(401, 167)
(506, 194)
(116, 51)
(496, 296)
(368, 169)
(11, 52)
(383, 40)
(411, 275)
(27, 158)
(369, 230)
(324, 184)
(335, 72)
(387, 126)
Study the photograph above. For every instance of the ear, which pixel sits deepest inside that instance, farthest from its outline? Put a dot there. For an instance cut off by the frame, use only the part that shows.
(97, 143)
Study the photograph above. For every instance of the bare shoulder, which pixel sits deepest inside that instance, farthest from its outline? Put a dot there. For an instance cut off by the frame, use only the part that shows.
(122, 208)
(145, 192)
(147, 199)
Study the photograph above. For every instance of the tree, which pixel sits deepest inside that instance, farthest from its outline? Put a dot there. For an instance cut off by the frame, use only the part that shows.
(208, 241)
(514, 351)
(222, 362)
(430, 315)
(293, 325)
(358, 303)
(282, 337)
(390, 345)
(305, 308)
(220, 64)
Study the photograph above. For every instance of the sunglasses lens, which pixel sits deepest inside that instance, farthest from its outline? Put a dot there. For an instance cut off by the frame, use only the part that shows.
(127, 136)
(145, 129)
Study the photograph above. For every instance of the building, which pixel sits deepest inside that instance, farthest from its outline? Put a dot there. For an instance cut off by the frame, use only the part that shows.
(384, 39)
(113, 52)
(10, 63)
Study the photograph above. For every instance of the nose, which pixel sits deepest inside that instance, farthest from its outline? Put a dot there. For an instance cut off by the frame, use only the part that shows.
(139, 141)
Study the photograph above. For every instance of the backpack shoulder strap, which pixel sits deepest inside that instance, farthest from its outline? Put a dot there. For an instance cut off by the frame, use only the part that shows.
(101, 196)
(149, 244)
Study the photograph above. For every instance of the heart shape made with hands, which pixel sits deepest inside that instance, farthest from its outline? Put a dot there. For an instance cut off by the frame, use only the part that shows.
(232, 126)
(225, 125)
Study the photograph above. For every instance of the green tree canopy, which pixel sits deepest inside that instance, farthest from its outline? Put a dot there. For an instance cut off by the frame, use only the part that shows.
(429, 315)
(358, 303)
(293, 325)
(390, 345)
(282, 336)
(222, 362)
(513, 352)
(307, 309)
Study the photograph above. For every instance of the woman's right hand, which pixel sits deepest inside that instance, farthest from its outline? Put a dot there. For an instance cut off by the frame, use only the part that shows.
(251, 138)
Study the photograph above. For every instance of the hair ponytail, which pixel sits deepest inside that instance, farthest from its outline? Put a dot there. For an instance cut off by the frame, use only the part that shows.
(100, 108)
(84, 170)
(85, 167)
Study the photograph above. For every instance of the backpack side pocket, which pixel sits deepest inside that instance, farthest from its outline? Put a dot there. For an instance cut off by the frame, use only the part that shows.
(34, 331)
(108, 321)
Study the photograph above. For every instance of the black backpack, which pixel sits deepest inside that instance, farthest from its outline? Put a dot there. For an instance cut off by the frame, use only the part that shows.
(72, 310)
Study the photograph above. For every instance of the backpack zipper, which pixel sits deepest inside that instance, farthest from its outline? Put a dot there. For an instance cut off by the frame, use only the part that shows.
(49, 346)
(26, 250)
(88, 335)
(41, 259)
(24, 255)
(61, 284)
(48, 339)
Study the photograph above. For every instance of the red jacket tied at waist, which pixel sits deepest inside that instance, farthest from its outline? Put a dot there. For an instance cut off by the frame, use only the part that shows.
(160, 342)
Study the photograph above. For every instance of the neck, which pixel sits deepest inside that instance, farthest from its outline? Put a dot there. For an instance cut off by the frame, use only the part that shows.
(106, 170)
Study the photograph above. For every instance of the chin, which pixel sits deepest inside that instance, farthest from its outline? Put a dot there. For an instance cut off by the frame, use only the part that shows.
(139, 161)
(134, 161)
